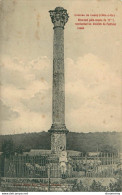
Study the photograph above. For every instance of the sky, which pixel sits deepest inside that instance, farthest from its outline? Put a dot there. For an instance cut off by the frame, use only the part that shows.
(93, 71)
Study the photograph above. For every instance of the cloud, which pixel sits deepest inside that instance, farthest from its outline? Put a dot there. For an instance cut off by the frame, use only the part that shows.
(6, 113)
(15, 78)
(89, 78)
(26, 88)
(93, 95)
(27, 122)
(25, 77)
(39, 103)
(22, 74)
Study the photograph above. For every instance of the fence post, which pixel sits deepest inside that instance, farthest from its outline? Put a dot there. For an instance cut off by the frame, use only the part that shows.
(2, 165)
(49, 178)
(112, 163)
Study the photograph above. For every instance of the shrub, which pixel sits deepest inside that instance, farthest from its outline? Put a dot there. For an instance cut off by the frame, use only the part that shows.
(116, 187)
(79, 187)
(97, 187)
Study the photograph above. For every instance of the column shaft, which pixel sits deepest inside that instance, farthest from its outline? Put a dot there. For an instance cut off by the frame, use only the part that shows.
(58, 114)
(58, 129)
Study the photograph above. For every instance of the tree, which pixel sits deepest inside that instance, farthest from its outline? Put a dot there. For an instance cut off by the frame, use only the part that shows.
(108, 149)
(8, 148)
(19, 149)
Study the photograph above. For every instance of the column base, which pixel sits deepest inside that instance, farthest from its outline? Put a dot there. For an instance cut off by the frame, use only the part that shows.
(56, 128)
(58, 138)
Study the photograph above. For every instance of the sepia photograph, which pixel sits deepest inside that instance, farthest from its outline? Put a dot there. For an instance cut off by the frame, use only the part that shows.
(61, 96)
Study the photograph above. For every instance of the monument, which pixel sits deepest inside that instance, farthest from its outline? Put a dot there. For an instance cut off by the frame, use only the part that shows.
(58, 129)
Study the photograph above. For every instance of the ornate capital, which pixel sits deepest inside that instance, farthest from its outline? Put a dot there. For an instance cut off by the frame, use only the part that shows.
(59, 17)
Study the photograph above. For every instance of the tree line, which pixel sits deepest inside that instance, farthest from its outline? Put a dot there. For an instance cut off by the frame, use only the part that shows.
(83, 142)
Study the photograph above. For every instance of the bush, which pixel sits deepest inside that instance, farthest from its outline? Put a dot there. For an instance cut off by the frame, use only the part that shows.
(97, 187)
(116, 187)
(8, 148)
(79, 187)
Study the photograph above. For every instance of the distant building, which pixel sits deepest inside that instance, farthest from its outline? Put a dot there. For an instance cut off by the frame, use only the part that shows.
(36, 152)
(93, 153)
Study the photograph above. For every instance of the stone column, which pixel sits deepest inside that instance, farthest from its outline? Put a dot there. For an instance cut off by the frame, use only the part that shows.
(58, 129)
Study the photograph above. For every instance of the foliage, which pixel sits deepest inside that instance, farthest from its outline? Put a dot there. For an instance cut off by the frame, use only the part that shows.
(108, 149)
(83, 142)
(97, 187)
(78, 187)
(19, 149)
(117, 186)
(8, 148)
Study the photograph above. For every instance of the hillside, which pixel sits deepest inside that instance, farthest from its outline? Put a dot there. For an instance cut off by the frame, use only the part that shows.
(85, 142)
